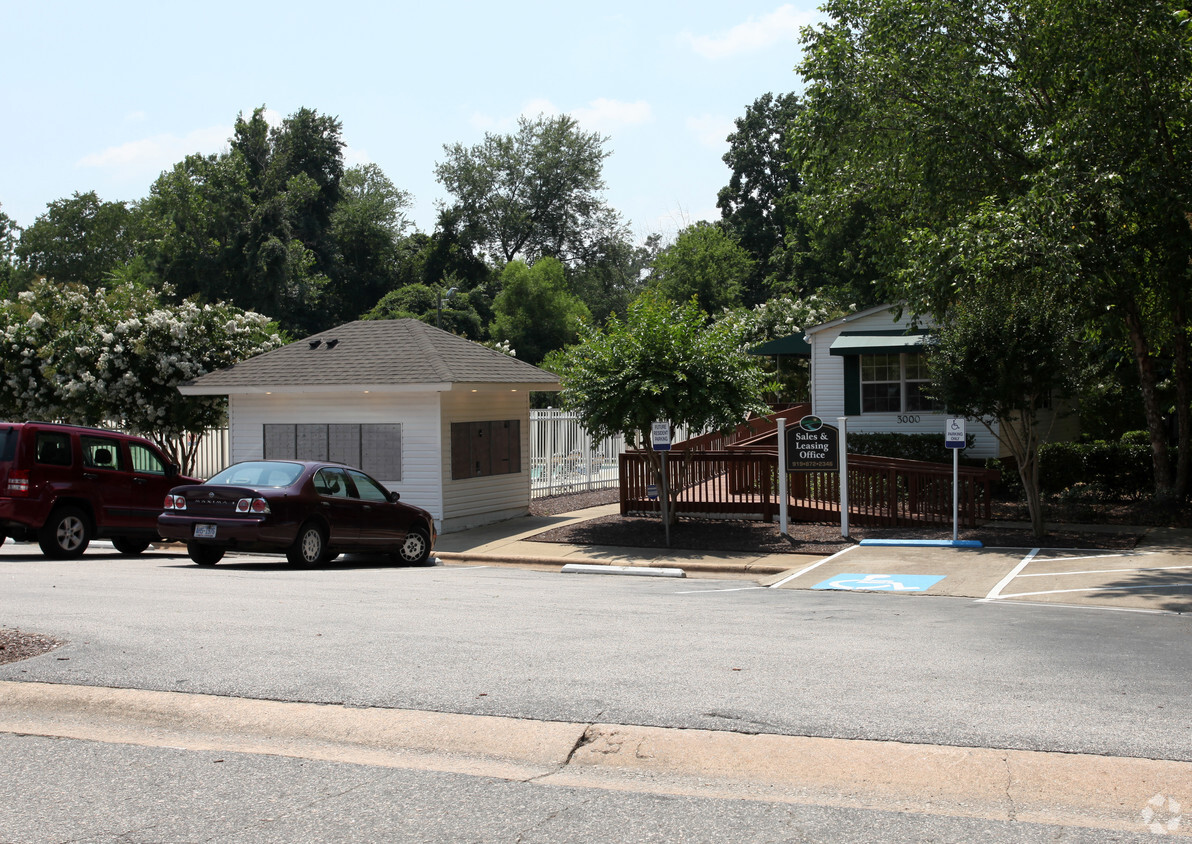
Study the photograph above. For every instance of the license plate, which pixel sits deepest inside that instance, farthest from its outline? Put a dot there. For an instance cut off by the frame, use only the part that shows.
(205, 531)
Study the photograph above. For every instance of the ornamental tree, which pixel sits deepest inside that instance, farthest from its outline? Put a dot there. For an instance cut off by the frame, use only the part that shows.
(116, 355)
(661, 362)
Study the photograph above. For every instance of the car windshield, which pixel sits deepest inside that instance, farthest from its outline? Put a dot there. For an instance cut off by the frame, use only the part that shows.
(258, 473)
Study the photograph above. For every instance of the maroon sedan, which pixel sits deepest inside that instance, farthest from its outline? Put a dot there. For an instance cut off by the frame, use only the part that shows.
(309, 511)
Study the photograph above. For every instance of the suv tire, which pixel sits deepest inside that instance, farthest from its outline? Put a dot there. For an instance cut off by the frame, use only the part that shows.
(129, 547)
(66, 534)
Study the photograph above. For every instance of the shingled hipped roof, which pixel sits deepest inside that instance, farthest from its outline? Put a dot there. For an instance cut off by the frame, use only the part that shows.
(375, 355)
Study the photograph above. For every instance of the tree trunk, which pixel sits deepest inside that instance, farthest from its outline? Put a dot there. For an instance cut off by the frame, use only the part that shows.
(1164, 491)
(1183, 404)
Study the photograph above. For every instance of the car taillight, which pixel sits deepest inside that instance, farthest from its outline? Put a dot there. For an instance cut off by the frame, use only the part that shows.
(175, 502)
(252, 505)
(18, 483)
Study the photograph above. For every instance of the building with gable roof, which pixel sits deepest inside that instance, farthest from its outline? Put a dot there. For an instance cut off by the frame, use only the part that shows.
(438, 418)
(869, 368)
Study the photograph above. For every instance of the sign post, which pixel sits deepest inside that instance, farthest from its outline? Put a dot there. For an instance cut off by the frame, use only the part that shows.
(954, 439)
(783, 481)
(660, 440)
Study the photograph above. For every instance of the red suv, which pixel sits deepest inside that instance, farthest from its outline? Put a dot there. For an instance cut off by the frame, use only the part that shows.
(65, 485)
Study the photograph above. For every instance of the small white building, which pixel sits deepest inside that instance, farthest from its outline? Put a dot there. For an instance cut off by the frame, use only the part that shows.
(869, 367)
(439, 419)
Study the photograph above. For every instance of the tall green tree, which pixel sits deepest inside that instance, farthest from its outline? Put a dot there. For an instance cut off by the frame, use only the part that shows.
(1009, 351)
(757, 205)
(367, 225)
(534, 193)
(79, 239)
(924, 114)
(534, 312)
(706, 263)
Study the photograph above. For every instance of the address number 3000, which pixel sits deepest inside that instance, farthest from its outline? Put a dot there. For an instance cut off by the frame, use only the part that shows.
(909, 420)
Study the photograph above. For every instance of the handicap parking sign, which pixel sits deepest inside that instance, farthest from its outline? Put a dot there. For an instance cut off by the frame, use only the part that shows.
(881, 582)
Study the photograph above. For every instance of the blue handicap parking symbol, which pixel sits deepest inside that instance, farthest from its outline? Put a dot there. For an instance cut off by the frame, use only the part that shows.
(881, 582)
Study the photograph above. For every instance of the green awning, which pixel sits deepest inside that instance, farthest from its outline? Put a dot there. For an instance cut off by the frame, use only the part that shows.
(792, 344)
(878, 344)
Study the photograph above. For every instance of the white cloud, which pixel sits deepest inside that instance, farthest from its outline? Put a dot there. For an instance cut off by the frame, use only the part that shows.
(711, 130)
(606, 114)
(157, 153)
(756, 34)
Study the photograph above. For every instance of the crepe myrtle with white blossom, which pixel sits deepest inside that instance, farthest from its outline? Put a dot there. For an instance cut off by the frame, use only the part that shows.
(116, 356)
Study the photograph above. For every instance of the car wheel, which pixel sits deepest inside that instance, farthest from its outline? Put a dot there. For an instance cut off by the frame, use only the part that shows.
(204, 555)
(415, 550)
(66, 534)
(310, 548)
(2, 538)
(130, 547)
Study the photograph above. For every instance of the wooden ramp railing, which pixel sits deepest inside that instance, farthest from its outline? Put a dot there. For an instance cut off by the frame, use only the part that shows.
(744, 485)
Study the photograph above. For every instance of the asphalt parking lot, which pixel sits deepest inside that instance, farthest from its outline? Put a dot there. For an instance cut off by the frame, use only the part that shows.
(1154, 577)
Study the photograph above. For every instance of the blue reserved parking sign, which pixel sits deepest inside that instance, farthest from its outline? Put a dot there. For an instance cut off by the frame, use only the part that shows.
(881, 582)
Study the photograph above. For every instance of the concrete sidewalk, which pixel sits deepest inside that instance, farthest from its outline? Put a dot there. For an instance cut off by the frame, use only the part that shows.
(508, 543)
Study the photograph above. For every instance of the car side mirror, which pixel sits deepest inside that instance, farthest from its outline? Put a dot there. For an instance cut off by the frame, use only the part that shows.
(395, 496)
(171, 470)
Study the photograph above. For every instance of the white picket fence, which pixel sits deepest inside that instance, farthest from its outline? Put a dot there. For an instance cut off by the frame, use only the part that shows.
(563, 456)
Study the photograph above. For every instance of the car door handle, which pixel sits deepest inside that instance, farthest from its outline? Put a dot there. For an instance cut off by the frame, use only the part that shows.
(140, 481)
(91, 476)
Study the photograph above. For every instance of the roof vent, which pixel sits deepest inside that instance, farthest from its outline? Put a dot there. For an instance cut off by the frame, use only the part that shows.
(331, 344)
(314, 344)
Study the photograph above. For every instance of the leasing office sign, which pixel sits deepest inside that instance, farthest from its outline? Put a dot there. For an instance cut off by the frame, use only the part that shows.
(812, 446)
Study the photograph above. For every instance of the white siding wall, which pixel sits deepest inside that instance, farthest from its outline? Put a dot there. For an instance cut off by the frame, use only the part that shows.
(477, 501)
(827, 391)
(418, 414)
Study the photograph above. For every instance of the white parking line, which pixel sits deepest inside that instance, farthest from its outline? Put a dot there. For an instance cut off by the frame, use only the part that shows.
(812, 567)
(706, 591)
(1104, 571)
(1095, 589)
(996, 592)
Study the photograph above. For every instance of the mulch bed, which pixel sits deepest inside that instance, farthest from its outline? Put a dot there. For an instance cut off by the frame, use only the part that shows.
(764, 538)
(16, 644)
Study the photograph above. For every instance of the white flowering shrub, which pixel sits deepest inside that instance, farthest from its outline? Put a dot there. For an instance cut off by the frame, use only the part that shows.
(118, 355)
(780, 317)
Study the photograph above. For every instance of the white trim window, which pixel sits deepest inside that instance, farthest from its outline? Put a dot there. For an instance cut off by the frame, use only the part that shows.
(895, 383)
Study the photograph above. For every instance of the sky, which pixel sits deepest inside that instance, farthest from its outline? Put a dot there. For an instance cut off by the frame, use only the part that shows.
(105, 96)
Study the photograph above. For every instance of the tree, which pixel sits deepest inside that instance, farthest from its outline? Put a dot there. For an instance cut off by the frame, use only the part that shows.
(705, 263)
(117, 355)
(923, 114)
(757, 205)
(1009, 344)
(535, 193)
(367, 224)
(661, 362)
(607, 282)
(455, 313)
(9, 233)
(534, 312)
(80, 239)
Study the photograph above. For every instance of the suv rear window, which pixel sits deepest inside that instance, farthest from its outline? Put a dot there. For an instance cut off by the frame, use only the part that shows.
(53, 449)
(8, 443)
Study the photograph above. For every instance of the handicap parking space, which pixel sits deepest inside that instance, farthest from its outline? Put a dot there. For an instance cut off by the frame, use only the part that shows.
(1155, 579)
